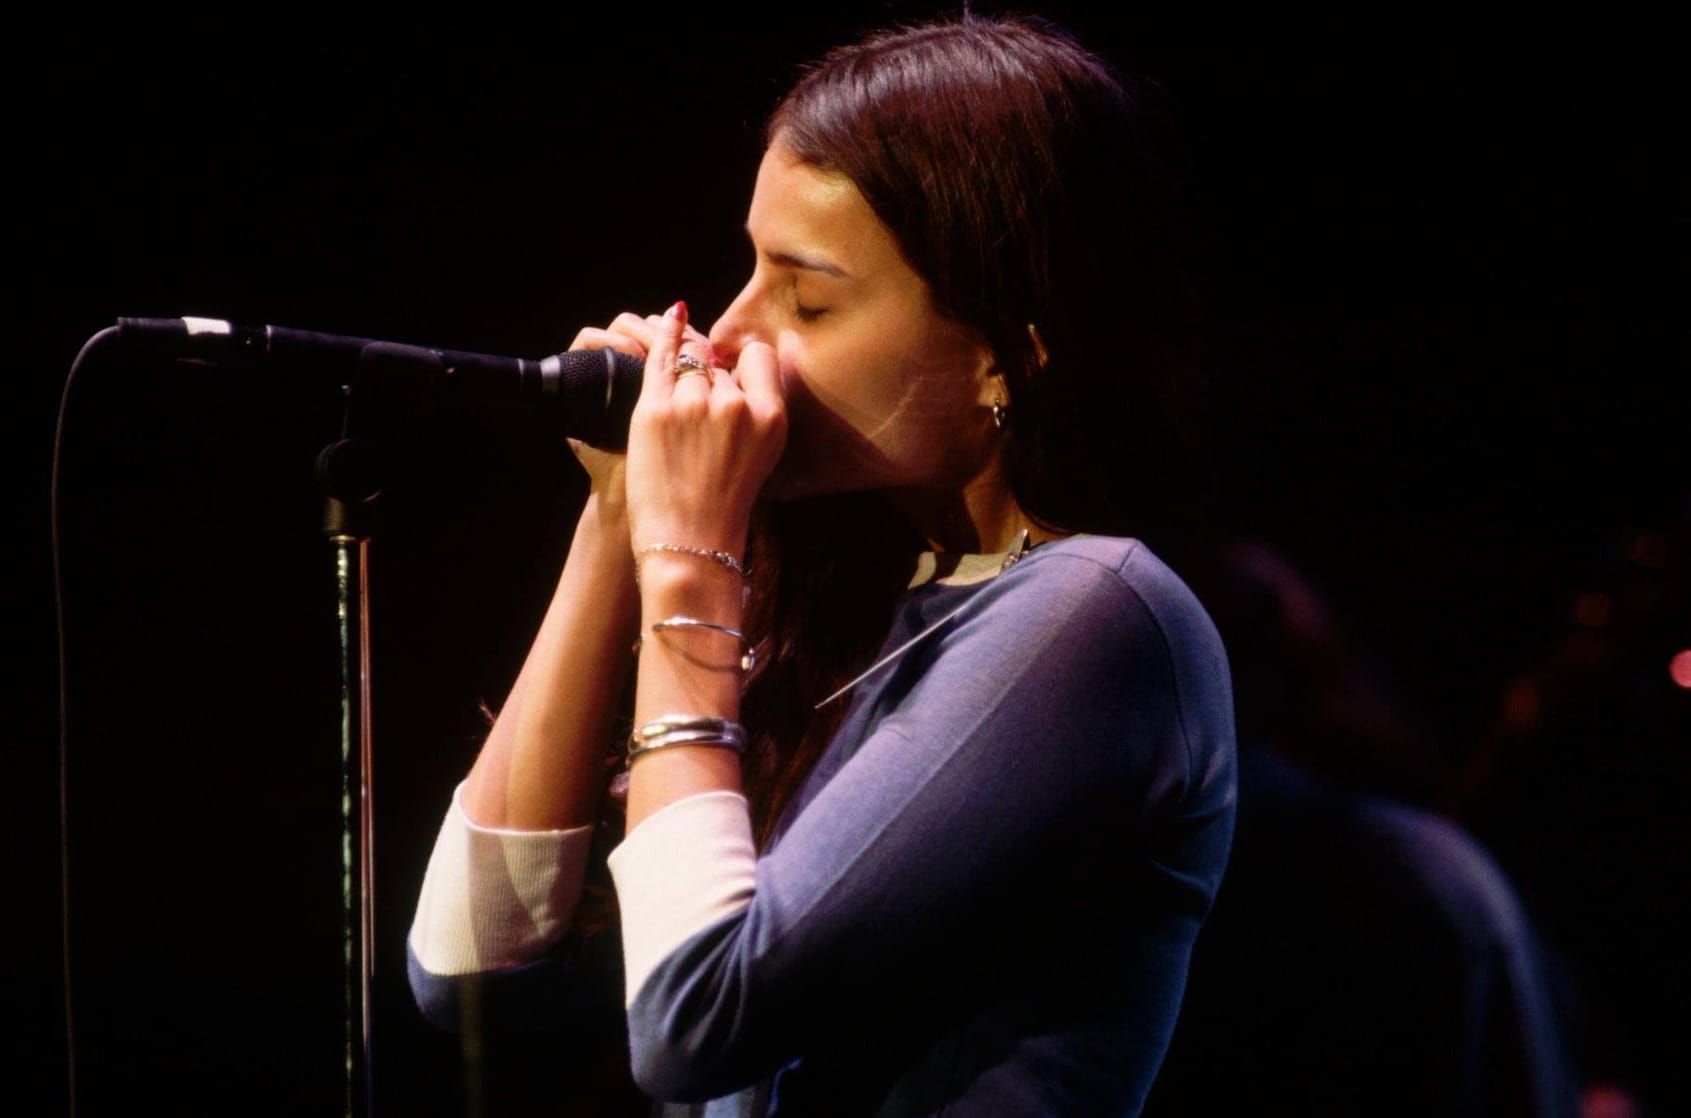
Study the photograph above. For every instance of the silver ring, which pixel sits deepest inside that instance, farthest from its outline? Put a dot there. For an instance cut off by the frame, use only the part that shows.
(687, 365)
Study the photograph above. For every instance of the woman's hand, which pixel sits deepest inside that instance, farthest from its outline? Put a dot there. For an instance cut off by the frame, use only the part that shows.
(633, 335)
(700, 446)
(702, 441)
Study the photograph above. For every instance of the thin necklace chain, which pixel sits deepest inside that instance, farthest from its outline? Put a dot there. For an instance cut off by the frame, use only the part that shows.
(1010, 559)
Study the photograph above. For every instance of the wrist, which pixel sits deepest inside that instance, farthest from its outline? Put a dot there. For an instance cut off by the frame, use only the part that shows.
(606, 516)
(678, 582)
(599, 566)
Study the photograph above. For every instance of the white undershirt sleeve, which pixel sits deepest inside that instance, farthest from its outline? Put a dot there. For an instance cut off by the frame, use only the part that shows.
(493, 898)
(686, 866)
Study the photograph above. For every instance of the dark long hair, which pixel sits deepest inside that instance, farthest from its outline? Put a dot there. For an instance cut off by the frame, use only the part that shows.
(1032, 187)
(1030, 184)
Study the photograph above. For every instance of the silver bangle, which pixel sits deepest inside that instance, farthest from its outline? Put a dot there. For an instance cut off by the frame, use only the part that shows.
(664, 723)
(748, 655)
(722, 557)
(682, 621)
(686, 729)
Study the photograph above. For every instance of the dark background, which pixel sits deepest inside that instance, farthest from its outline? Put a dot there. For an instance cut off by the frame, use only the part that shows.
(1446, 265)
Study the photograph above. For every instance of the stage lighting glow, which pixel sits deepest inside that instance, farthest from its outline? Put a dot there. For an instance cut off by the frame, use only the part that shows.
(1593, 610)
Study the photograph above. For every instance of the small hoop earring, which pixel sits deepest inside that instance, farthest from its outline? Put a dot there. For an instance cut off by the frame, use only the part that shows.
(1000, 414)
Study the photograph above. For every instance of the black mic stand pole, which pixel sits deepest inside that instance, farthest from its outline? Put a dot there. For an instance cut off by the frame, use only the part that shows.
(348, 473)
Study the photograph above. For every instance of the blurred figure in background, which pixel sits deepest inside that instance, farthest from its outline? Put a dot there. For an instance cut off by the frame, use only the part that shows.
(1365, 955)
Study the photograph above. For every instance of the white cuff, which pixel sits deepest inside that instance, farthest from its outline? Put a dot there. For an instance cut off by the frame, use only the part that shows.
(685, 867)
(494, 898)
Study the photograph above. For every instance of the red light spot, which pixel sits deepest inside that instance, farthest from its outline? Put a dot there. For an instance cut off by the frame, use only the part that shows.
(1680, 668)
(1648, 549)
(1522, 705)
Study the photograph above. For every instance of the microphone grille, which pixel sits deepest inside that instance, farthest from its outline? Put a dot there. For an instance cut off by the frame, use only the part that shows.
(598, 388)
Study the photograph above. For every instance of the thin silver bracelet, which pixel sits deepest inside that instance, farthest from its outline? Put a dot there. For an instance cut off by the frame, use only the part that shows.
(748, 654)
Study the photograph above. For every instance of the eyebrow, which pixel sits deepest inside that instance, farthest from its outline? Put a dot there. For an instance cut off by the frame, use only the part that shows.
(793, 260)
(807, 263)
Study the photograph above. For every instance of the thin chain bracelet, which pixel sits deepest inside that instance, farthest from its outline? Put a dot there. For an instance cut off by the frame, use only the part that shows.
(721, 557)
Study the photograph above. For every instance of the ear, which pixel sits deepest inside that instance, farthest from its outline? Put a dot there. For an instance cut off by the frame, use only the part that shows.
(990, 386)
(994, 395)
(994, 389)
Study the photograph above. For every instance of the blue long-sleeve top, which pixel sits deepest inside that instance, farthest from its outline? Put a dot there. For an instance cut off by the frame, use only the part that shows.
(984, 897)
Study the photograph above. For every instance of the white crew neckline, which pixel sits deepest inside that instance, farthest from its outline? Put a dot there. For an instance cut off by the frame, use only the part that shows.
(958, 569)
(947, 568)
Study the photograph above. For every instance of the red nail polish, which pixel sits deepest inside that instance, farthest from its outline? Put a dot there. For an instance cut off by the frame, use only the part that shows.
(679, 310)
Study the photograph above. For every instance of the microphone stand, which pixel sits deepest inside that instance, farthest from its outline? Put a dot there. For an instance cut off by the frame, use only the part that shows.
(349, 473)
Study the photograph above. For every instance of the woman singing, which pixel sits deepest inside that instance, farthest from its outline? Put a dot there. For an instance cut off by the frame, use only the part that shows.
(929, 778)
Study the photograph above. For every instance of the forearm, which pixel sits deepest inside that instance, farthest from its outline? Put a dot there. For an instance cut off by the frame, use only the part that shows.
(691, 672)
(540, 768)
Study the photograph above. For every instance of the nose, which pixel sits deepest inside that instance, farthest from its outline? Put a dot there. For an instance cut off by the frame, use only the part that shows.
(735, 327)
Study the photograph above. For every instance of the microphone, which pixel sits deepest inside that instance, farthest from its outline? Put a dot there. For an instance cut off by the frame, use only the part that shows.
(594, 390)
